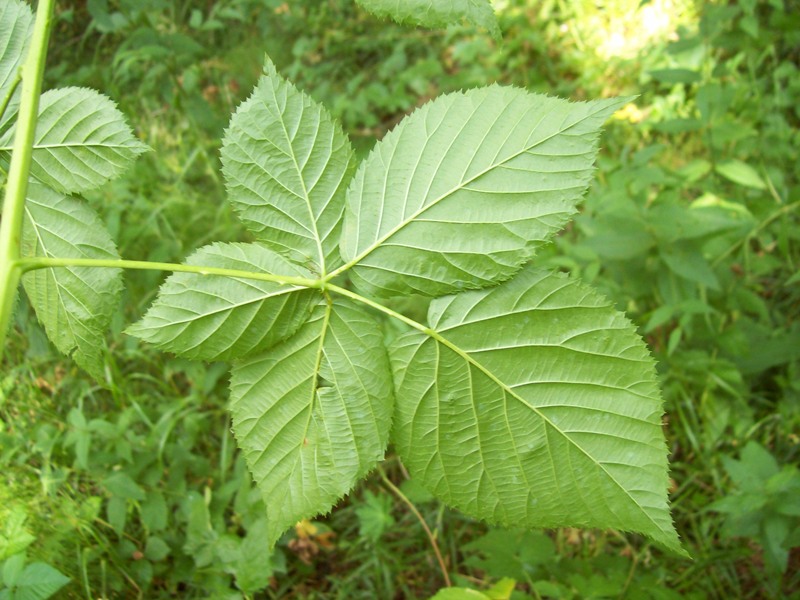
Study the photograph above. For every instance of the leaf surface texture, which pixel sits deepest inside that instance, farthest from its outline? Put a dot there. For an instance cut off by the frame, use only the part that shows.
(287, 165)
(16, 27)
(312, 414)
(535, 403)
(81, 142)
(218, 317)
(74, 304)
(462, 192)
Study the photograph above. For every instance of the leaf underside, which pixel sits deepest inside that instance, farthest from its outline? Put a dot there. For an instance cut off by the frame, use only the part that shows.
(214, 317)
(16, 27)
(286, 164)
(436, 13)
(74, 304)
(81, 142)
(312, 415)
(462, 192)
(535, 403)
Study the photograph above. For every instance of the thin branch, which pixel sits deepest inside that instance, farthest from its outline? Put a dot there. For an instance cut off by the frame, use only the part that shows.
(432, 538)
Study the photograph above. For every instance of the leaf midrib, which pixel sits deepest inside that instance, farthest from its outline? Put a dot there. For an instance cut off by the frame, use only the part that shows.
(58, 285)
(312, 219)
(262, 297)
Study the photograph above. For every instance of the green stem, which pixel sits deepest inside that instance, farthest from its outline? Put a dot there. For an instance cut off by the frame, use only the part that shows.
(10, 94)
(17, 185)
(44, 262)
(432, 538)
(385, 310)
(746, 240)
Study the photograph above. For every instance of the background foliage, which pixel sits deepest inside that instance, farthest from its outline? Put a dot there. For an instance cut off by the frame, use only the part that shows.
(691, 227)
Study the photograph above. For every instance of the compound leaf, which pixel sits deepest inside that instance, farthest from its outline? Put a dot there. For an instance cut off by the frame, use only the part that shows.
(74, 304)
(436, 13)
(220, 317)
(287, 164)
(81, 141)
(16, 27)
(312, 414)
(462, 192)
(535, 403)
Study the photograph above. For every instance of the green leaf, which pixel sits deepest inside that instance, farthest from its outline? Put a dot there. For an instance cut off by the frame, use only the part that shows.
(154, 511)
(374, 516)
(462, 192)
(312, 414)
(510, 554)
(123, 486)
(756, 466)
(436, 13)
(741, 173)
(74, 304)
(12, 569)
(536, 404)
(13, 536)
(38, 581)
(156, 549)
(16, 27)
(215, 317)
(502, 590)
(686, 260)
(81, 140)
(287, 165)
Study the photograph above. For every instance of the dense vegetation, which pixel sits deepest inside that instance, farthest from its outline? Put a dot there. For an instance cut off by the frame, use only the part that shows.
(691, 227)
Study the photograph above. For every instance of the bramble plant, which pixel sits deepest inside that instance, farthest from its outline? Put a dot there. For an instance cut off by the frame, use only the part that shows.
(525, 398)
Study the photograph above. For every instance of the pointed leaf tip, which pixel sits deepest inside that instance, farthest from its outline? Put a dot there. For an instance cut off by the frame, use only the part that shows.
(287, 164)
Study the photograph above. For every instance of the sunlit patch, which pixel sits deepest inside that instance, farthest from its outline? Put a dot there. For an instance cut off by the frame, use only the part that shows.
(617, 28)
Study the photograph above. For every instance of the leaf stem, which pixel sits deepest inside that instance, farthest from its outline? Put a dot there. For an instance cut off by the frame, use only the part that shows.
(43, 262)
(384, 309)
(19, 170)
(432, 538)
(761, 226)
(10, 94)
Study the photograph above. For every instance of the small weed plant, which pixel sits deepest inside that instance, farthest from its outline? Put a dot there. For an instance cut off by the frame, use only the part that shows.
(522, 398)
